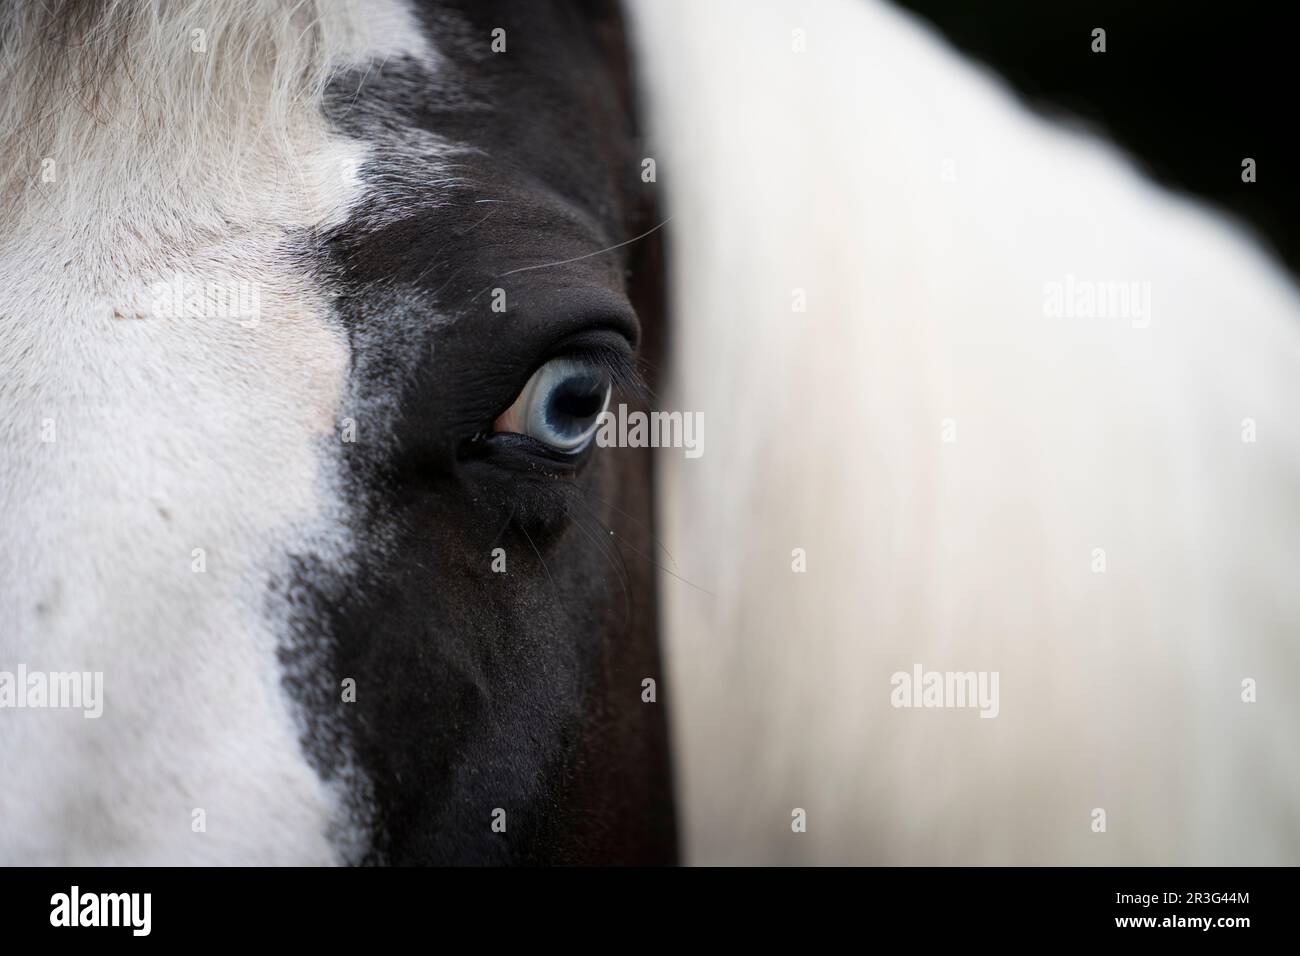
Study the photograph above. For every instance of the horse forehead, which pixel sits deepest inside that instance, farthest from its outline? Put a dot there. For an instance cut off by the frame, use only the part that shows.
(165, 237)
(172, 386)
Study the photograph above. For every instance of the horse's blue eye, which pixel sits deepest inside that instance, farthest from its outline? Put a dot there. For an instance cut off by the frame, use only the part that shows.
(560, 406)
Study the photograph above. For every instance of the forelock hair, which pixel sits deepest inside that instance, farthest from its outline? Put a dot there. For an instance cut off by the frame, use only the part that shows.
(169, 90)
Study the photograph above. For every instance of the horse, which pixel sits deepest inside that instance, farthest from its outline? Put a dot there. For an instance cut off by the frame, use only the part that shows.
(358, 586)
(310, 317)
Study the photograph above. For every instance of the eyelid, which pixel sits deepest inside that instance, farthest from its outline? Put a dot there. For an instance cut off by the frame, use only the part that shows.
(583, 314)
(614, 363)
(608, 348)
(620, 365)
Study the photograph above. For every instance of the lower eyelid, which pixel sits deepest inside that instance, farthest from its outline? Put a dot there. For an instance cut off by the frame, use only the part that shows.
(521, 454)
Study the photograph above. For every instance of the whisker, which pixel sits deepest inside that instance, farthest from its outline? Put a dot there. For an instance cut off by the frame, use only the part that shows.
(645, 557)
(588, 255)
(539, 558)
(505, 527)
(640, 524)
(622, 574)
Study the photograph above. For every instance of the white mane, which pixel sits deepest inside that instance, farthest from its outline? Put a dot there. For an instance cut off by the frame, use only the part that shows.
(950, 451)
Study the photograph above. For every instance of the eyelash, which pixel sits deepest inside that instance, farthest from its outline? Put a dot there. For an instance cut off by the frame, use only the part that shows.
(625, 377)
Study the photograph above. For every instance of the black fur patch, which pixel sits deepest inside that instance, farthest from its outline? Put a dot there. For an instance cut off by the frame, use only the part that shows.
(477, 690)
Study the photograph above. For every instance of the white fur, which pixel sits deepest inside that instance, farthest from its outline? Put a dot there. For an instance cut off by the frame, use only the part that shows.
(823, 170)
(172, 433)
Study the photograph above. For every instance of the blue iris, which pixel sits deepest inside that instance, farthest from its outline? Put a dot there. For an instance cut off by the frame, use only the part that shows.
(561, 404)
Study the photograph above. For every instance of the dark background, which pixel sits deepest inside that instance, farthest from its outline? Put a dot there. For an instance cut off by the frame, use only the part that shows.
(1189, 88)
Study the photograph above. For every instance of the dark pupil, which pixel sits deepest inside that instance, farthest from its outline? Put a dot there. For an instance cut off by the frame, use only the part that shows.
(575, 400)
